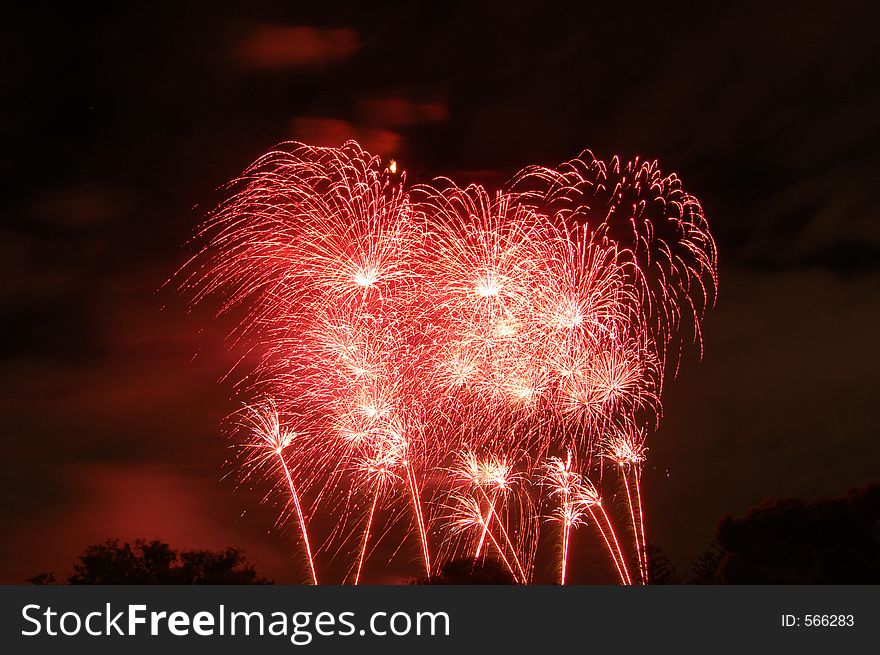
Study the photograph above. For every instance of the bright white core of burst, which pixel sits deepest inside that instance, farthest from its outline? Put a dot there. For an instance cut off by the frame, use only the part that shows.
(366, 277)
(570, 315)
(487, 287)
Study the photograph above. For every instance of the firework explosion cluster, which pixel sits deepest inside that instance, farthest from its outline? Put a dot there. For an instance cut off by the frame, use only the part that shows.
(472, 366)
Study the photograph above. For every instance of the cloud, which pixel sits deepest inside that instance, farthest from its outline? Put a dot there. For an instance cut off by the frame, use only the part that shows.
(268, 47)
(397, 111)
(79, 205)
(378, 130)
(321, 131)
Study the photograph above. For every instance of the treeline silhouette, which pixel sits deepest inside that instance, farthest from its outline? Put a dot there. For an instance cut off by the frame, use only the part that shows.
(834, 541)
(467, 571)
(155, 562)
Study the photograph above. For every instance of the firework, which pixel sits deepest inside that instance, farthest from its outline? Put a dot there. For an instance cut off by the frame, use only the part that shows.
(452, 355)
(380, 467)
(626, 448)
(267, 443)
(564, 485)
(477, 475)
(658, 229)
(576, 497)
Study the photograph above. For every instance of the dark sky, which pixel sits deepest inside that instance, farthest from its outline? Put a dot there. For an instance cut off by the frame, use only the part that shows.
(119, 124)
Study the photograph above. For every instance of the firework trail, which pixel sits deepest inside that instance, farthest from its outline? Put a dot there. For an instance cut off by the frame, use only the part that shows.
(564, 485)
(577, 496)
(490, 472)
(626, 448)
(268, 441)
(496, 474)
(380, 467)
(450, 353)
(466, 513)
(616, 552)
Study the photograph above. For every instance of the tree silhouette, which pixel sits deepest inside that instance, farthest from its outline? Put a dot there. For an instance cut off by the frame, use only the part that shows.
(791, 541)
(705, 569)
(155, 562)
(799, 542)
(661, 570)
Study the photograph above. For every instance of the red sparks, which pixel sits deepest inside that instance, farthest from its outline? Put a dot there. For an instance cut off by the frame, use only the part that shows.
(432, 351)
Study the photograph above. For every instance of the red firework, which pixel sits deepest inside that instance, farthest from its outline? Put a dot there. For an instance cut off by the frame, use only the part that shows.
(442, 348)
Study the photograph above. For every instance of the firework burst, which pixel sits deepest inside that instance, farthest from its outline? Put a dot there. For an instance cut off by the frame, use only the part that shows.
(460, 356)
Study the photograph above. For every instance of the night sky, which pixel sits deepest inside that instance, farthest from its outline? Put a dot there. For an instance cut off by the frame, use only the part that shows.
(119, 125)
